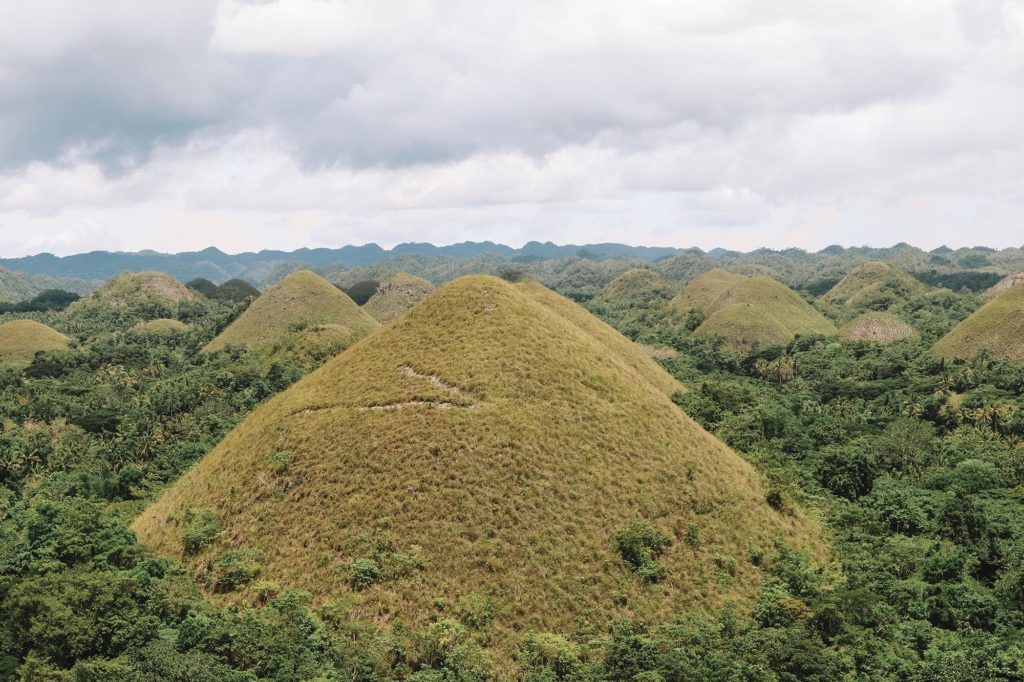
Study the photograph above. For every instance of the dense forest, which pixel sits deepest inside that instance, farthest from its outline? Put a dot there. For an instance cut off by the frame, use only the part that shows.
(913, 462)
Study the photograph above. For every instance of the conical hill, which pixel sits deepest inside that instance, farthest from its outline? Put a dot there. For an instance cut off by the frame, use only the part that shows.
(488, 444)
(20, 340)
(996, 327)
(873, 285)
(749, 311)
(142, 287)
(395, 295)
(303, 302)
(878, 327)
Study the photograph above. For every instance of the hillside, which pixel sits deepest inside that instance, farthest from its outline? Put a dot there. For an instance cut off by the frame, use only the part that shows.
(996, 327)
(1002, 285)
(20, 340)
(142, 287)
(876, 326)
(749, 311)
(873, 286)
(301, 302)
(486, 446)
(395, 295)
(160, 326)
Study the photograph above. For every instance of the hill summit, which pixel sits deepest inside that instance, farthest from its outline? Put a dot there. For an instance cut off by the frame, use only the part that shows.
(141, 287)
(303, 302)
(874, 286)
(878, 327)
(494, 445)
(996, 327)
(395, 295)
(749, 311)
(20, 340)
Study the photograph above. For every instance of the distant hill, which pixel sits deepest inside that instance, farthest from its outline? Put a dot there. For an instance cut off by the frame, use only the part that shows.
(876, 326)
(1003, 284)
(139, 287)
(395, 295)
(302, 302)
(635, 300)
(495, 445)
(20, 340)
(996, 327)
(873, 286)
(20, 286)
(749, 311)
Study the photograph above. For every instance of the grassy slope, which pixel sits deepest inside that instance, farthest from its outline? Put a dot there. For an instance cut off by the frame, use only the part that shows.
(397, 294)
(881, 327)
(708, 292)
(161, 326)
(997, 326)
(866, 282)
(20, 340)
(1002, 285)
(303, 299)
(637, 287)
(545, 432)
(750, 310)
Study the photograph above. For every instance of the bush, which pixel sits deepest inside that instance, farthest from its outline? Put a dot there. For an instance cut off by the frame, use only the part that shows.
(201, 529)
(640, 544)
(365, 572)
(476, 610)
(236, 567)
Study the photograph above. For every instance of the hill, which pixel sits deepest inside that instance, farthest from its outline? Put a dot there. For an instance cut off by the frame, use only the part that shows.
(635, 300)
(996, 327)
(142, 287)
(873, 286)
(20, 340)
(876, 326)
(161, 326)
(300, 302)
(749, 311)
(395, 295)
(486, 448)
(1002, 285)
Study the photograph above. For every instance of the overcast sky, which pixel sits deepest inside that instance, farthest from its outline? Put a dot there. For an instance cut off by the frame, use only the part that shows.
(740, 123)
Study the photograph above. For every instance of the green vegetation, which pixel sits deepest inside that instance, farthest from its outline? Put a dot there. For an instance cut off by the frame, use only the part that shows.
(429, 424)
(1002, 285)
(877, 327)
(304, 309)
(233, 290)
(635, 301)
(997, 328)
(496, 487)
(395, 295)
(20, 340)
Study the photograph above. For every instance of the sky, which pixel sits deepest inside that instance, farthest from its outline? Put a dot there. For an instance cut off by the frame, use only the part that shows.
(288, 123)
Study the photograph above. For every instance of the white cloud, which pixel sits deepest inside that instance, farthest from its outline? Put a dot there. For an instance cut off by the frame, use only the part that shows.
(292, 122)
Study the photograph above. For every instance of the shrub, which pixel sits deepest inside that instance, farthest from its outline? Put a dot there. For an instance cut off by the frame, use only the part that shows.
(476, 610)
(201, 529)
(236, 567)
(364, 572)
(640, 544)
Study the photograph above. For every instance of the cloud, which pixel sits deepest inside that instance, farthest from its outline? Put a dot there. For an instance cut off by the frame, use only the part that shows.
(737, 122)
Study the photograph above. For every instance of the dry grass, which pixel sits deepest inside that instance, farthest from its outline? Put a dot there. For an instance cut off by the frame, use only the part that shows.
(20, 340)
(522, 433)
(395, 295)
(868, 281)
(878, 327)
(749, 311)
(161, 326)
(136, 287)
(996, 327)
(302, 306)
(1002, 285)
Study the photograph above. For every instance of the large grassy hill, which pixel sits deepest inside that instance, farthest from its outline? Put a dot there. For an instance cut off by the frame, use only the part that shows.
(479, 456)
(996, 327)
(20, 340)
(749, 311)
(395, 295)
(302, 303)
(1002, 285)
